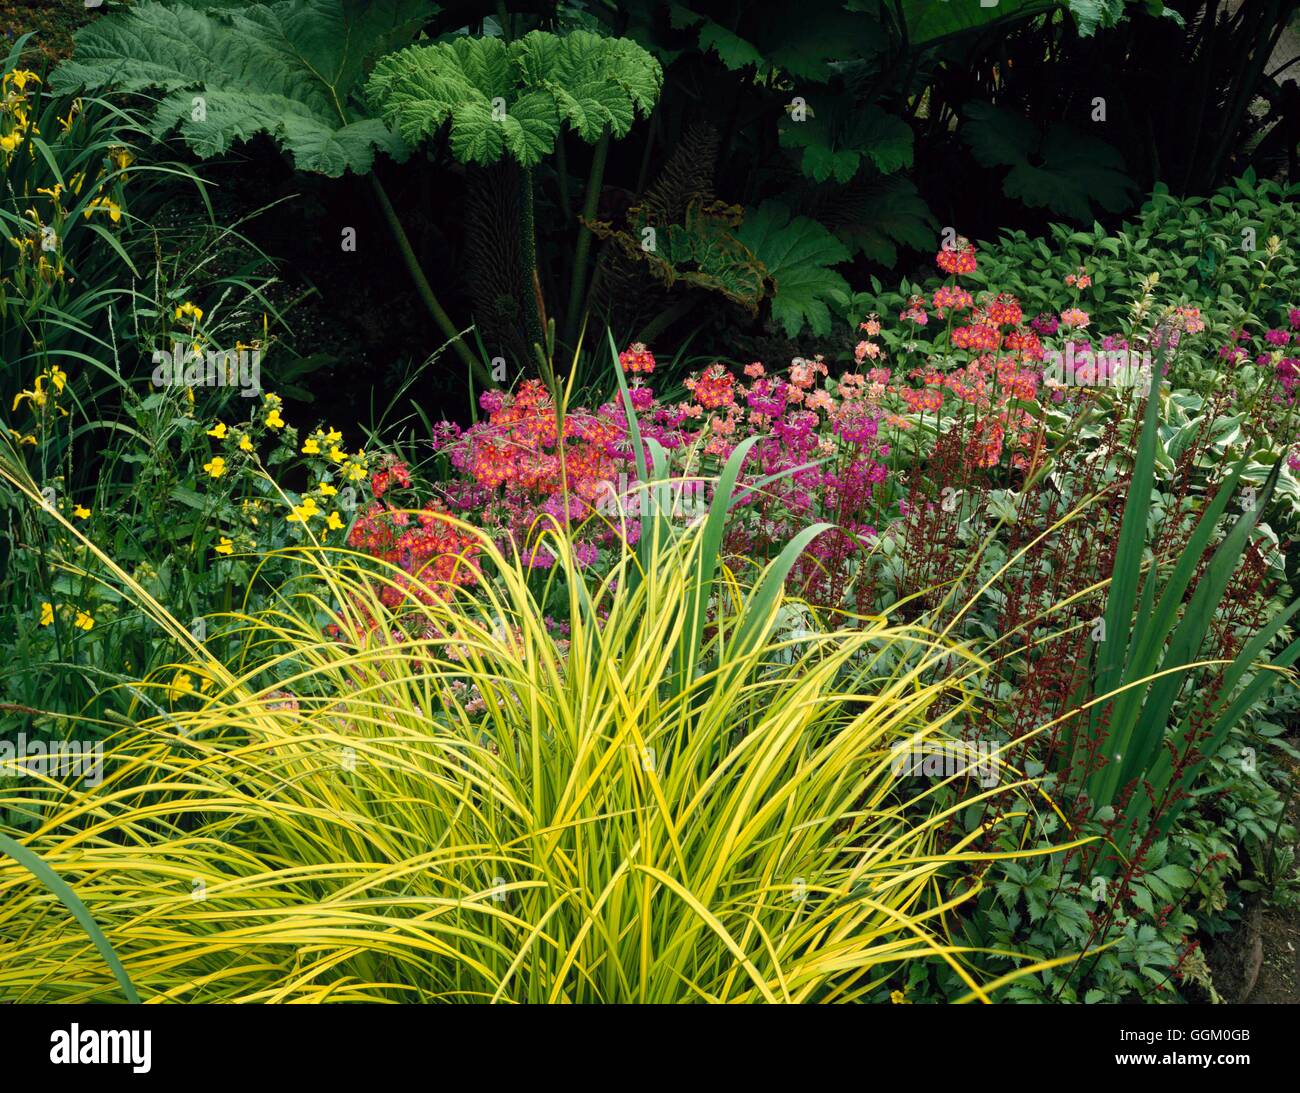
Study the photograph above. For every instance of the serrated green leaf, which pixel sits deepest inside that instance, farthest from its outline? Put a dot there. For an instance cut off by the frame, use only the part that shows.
(514, 98)
(797, 255)
(287, 69)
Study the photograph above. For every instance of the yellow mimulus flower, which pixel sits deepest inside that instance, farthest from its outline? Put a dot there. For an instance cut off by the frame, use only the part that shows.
(216, 466)
(333, 523)
(225, 546)
(218, 430)
(274, 420)
(355, 471)
(333, 437)
(181, 685)
(47, 613)
(311, 447)
(80, 511)
(338, 454)
(327, 490)
(84, 621)
(304, 512)
(245, 444)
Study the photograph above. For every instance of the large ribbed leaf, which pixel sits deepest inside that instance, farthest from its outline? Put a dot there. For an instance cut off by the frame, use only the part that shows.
(513, 98)
(287, 69)
(1064, 170)
(838, 143)
(798, 254)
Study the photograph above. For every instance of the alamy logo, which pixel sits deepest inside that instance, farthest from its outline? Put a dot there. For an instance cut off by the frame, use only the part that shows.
(133, 1047)
(946, 759)
(1106, 368)
(54, 759)
(684, 499)
(183, 367)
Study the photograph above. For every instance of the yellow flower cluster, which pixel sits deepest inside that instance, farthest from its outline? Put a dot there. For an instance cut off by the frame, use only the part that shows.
(105, 205)
(324, 443)
(304, 512)
(39, 242)
(182, 684)
(83, 620)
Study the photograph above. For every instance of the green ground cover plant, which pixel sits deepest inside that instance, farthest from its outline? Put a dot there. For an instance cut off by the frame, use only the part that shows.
(793, 601)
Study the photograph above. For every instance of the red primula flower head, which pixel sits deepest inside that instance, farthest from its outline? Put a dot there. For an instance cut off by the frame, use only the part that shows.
(948, 296)
(1026, 342)
(957, 259)
(714, 388)
(977, 336)
(1005, 310)
(637, 358)
(393, 472)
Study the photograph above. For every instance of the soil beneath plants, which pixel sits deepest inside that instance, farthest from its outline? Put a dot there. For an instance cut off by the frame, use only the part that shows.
(1260, 963)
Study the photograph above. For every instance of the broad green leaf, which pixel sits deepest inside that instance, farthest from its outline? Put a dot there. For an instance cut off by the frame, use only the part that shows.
(513, 98)
(878, 215)
(928, 22)
(732, 50)
(997, 138)
(1089, 15)
(797, 254)
(286, 69)
(836, 145)
(1063, 170)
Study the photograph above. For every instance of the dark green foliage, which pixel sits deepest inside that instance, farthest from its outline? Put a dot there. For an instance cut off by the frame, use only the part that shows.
(288, 69)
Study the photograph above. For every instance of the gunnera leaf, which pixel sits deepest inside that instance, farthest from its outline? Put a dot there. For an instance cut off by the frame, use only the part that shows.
(513, 98)
(287, 69)
(797, 254)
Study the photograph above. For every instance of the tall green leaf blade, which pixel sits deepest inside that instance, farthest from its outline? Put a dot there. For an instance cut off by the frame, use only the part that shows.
(33, 863)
